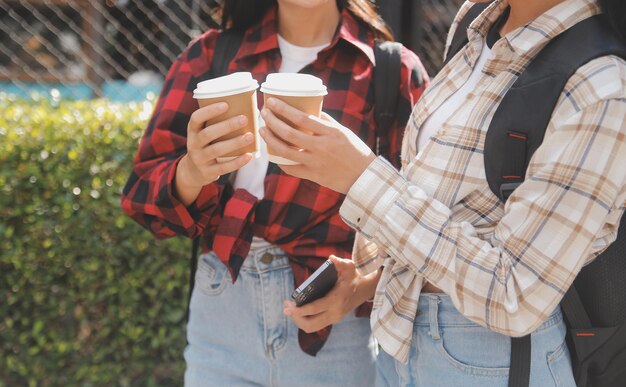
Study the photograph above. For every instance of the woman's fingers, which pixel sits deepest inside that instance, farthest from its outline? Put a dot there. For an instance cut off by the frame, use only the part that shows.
(311, 309)
(203, 114)
(219, 169)
(203, 149)
(345, 267)
(207, 171)
(310, 317)
(298, 117)
(312, 324)
(317, 314)
(212, 132)
(280, 148)
(224, 147)
(286, 132)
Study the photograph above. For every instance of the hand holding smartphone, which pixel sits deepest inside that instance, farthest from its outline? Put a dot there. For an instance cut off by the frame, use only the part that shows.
(317, 285)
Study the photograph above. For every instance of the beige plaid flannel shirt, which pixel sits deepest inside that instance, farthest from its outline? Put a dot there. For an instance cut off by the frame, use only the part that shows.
(505, 267)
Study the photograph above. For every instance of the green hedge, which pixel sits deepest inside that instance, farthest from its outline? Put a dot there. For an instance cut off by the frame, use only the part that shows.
(87, 296)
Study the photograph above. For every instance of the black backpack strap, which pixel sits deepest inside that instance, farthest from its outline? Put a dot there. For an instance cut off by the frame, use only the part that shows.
(193, 266)
(460, 39)
(514, 135)
(226, 46)
(574, 310)
(519, 371)
(388, 57)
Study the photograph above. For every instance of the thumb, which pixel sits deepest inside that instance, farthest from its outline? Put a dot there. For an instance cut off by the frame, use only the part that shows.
(342, 265)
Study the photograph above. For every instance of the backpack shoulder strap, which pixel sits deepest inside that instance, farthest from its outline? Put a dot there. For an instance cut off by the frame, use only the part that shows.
(459, 40)
(226, 46)
(514, 135)
(387, 69)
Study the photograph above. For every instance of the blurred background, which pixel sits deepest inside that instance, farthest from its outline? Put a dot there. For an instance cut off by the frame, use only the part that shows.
(87, 297)
(121, 49)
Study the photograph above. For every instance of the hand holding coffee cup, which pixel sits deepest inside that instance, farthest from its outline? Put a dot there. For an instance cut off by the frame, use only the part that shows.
(199, 166)
(326, 153)
(302, 91)
(222, 135)
(238, 90)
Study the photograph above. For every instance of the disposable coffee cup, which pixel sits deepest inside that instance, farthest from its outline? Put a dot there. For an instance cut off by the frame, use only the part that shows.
(238, 90)
(301, 91)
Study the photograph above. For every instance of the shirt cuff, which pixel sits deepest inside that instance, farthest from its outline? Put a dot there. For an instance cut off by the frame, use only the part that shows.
(371, 196)
(187, 215)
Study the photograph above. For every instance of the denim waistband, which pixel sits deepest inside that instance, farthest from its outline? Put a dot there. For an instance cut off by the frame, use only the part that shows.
(438, 307)
(265, 259)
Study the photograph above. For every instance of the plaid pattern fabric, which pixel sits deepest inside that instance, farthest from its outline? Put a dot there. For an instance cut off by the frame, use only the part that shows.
(299, 216)
(505, 267)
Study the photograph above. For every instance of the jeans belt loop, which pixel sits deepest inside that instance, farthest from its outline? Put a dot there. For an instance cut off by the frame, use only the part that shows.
(433, 311)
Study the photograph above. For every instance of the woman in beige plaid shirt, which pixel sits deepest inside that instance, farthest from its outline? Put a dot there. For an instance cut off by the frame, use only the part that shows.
(476, 270)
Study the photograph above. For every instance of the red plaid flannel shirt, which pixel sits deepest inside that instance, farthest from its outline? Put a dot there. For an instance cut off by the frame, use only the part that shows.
(297, 215)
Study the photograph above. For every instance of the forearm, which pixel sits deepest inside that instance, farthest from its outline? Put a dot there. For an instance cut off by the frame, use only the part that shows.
(506, 282)
(418, 232)
(366, 288)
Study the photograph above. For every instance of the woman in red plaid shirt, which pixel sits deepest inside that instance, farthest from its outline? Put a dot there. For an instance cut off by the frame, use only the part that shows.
(264, 232)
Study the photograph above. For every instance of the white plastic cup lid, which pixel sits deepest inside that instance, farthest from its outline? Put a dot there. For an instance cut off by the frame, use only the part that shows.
(293, 85)
(230, 84)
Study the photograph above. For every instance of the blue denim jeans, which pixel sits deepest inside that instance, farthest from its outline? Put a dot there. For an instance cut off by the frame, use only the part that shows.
(450, 350)
(238, 335)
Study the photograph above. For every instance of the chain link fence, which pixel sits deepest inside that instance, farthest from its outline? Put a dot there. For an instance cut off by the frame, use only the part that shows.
(435, 18)
(122, 49)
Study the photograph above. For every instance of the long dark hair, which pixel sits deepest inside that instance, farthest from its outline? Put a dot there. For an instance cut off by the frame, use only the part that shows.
(241, 14)
(615, 13)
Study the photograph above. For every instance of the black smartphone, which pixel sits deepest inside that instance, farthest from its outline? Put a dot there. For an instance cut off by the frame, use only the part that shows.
(317, 285)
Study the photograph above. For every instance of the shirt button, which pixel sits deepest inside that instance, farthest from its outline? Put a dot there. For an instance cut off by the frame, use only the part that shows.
(267, 258)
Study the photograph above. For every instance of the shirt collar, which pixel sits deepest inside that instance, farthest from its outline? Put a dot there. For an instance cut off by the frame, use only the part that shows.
(536, 34)
(263, 37)
(353, 32)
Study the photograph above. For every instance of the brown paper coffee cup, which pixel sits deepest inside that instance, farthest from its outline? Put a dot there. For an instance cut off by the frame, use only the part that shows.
(301, 91)
(238, 90)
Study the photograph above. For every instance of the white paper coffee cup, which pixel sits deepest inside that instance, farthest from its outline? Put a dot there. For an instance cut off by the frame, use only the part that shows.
(302, 91)
(238, 90)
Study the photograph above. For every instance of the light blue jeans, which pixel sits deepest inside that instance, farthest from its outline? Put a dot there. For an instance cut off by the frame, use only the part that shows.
(452, 351)
(238, 335)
